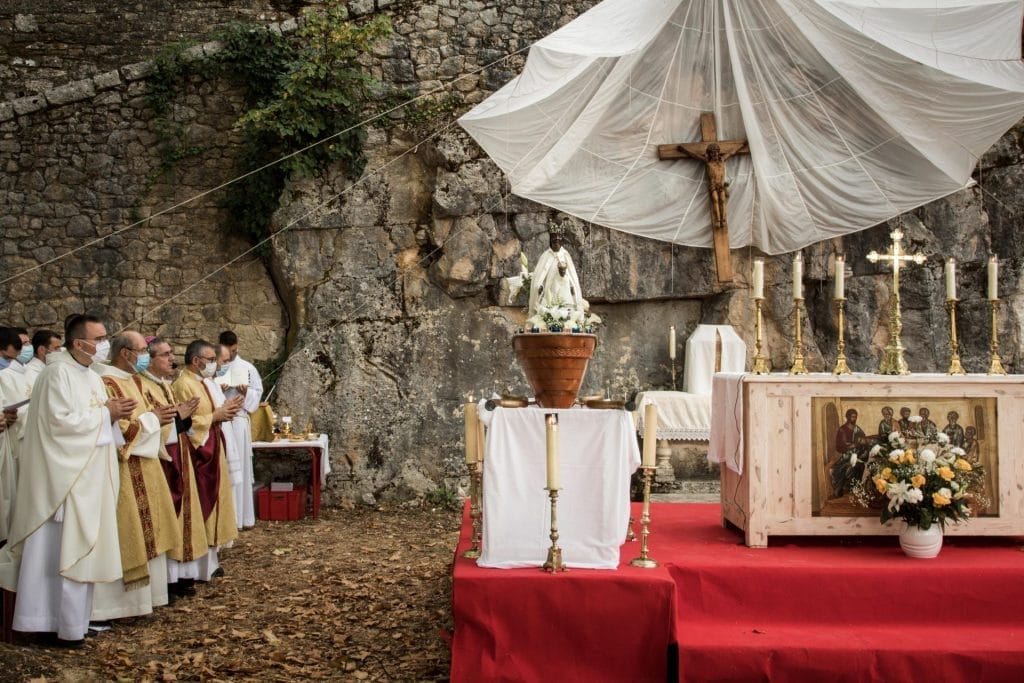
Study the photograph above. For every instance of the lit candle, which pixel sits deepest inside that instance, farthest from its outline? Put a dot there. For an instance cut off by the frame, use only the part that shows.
(650, 434)
(672, 342)
(472, 433)
(840, 292)
(951, 279)
(993, 278)
(798, 276)
(759, 278)
(287, 419)
(552, 441)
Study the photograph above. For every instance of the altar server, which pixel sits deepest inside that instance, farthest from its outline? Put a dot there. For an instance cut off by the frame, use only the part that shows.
(64, 527)
(44, 342)
(147, 526)
(15, 385)
(243, 379)
(207, 442)
(191, 559)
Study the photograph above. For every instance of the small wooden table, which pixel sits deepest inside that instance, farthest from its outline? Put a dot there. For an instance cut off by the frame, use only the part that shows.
(319, 458)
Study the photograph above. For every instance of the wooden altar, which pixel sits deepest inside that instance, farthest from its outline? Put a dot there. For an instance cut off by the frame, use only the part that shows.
(774, 436)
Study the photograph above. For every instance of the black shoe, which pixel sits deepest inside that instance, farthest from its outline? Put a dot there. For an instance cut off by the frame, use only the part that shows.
(69, 644)
(217, 573)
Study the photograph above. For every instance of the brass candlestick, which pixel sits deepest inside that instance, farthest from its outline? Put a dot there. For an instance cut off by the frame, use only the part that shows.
(476, 489)
(893, 362)
(841, 367)
(996, 367)
(798, 359)
(645, 520)
(760, 363)
(554, 563)
(954, 358)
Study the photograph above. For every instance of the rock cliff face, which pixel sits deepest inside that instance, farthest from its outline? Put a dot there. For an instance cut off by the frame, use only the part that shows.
(390, 288)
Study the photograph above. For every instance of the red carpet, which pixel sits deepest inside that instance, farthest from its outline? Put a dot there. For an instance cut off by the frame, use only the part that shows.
(803, 609)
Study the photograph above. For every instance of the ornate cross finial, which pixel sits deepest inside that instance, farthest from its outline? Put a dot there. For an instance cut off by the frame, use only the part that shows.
(892, 360)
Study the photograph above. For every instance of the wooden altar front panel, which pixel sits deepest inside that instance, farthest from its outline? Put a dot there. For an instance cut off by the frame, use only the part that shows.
(774, 494)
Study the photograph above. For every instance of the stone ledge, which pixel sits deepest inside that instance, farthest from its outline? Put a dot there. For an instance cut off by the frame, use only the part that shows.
(70, 92)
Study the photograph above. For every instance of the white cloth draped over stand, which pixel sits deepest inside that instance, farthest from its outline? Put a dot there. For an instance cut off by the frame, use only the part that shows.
(597, 454)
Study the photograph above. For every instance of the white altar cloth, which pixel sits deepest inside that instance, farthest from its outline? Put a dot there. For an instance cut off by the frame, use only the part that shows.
(681, 416)
(727, 421)
(597, 454)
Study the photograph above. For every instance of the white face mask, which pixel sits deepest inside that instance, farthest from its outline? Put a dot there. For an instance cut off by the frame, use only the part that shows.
(210, 370)
(102, 352)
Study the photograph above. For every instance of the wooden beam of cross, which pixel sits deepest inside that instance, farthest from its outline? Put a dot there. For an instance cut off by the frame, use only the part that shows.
(713, 152)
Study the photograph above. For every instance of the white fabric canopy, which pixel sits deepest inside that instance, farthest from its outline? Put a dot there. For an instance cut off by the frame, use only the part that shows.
(855, 111)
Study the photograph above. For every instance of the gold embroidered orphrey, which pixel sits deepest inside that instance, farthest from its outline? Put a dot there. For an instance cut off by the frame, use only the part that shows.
(714, 153)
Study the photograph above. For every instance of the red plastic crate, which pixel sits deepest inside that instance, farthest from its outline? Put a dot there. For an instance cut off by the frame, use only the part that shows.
(280, 506)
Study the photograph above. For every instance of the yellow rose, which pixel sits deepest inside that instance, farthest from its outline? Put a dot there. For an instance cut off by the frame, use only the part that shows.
(946, 473)
(939, 500)
(962, 465)
(908, 458)
(887, 474)
(880, 484)
(917, 481)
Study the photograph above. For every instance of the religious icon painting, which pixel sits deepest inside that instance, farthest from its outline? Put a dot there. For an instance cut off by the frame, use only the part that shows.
(846, 431)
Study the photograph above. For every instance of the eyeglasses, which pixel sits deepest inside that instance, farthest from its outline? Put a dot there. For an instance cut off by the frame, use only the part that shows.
(96, 339)
(142, 350)
(165, 354)
(209, 359)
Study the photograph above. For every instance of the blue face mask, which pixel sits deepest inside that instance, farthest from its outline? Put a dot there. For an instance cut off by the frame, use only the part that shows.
(26, 354)
(4, 362)
(223, 371)
(142, 362)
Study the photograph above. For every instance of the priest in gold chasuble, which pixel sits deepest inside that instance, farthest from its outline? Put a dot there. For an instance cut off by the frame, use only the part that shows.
(209, 459)
(190, 559)
(147, 526)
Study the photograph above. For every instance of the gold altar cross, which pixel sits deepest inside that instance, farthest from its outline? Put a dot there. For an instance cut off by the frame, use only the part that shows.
(713, 152)
(892, 359)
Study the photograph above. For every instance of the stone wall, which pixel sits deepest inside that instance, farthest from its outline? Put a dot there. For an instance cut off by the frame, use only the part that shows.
(392, 286)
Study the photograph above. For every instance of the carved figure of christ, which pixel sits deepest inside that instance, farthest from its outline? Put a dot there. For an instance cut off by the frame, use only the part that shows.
(714, 153)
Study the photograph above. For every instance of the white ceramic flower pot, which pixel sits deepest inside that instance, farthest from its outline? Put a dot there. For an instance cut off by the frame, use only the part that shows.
(921, 543)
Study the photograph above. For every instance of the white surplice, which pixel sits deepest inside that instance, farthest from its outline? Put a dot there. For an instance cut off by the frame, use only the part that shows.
(244, 372)
(33, 369)
(63, 535)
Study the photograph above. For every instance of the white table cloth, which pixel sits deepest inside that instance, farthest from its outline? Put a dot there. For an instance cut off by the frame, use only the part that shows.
(597, 454)
(681, 416)
(321, 443)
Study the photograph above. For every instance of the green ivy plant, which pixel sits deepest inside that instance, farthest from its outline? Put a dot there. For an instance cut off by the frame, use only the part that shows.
(300, 89)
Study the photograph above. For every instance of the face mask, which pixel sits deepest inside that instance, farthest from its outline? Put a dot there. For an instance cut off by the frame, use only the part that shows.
(142, 362)
(26, 354)
(4, 362)
(102, 353)
(210, 370)
(223, 371)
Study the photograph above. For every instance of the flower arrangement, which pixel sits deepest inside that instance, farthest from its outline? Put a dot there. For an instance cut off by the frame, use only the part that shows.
(919, 478)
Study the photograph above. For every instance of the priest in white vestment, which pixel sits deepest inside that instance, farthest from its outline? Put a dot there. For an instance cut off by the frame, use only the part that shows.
(63, 538)
(15, 384)
(44, 342)
(243, 380)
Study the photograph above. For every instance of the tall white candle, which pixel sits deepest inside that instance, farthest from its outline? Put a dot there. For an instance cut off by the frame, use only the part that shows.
(951, 279)
(672, 342)
(798, 276)
(552, 443)
(472, 433)
(650, 434)
(759, 278)
(993, 278)
(840, 290)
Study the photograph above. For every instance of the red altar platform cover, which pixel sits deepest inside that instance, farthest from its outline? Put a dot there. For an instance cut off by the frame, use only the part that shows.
(803, 609)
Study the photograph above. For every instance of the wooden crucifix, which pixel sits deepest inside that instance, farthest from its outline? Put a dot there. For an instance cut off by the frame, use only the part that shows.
(713, 152)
